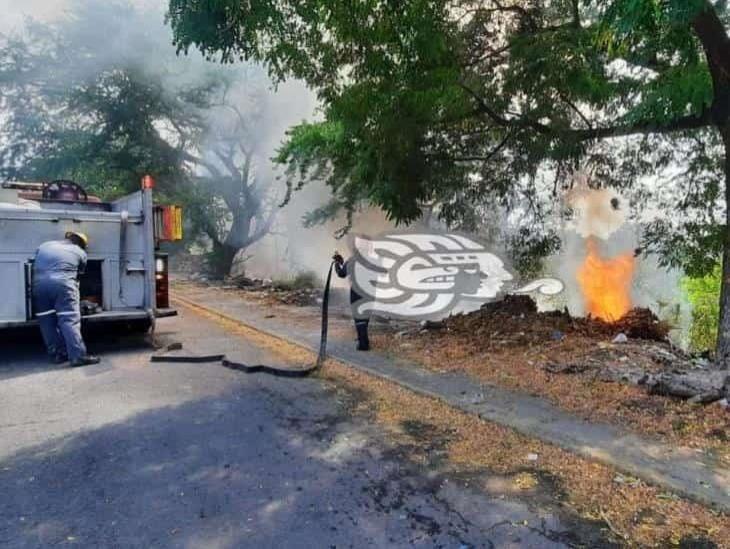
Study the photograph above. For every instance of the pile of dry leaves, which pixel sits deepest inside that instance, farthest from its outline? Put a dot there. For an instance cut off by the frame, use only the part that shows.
(516, 321)
(577, 363)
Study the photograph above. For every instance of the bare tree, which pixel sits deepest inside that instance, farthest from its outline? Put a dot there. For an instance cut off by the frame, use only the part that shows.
(232, 169)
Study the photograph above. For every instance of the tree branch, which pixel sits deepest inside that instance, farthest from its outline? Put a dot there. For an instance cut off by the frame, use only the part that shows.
(692, 122)
(575, 109)
(246, 173)
(497, 118)
(265, 227)
(519, 10)
(715, 41)
(212, 169)
(576, 14)
(227, 161)
(485, 158)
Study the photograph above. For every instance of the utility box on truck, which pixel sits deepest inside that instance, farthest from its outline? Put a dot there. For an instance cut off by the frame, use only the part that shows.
(123, 269)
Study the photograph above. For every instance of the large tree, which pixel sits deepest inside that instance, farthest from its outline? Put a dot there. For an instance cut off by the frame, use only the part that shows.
(240, 202)
(101, 97)
(74, 110)
(461, 101)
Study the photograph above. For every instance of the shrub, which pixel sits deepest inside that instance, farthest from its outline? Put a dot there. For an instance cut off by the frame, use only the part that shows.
(704, 295)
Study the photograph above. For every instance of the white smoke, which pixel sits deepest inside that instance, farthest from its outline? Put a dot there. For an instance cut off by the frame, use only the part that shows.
(293, 248)
(596, 212)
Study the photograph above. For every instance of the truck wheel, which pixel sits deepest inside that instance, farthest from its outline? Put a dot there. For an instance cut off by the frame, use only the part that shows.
(139, 326)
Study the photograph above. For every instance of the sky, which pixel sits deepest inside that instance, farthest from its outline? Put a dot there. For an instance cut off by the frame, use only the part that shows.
(14, 11)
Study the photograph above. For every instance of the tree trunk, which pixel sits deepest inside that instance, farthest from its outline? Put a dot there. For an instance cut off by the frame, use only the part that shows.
(723, 329)
(711, 31)
(223, 254)
(238, 238)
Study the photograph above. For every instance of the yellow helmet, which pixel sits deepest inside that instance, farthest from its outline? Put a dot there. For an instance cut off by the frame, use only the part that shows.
(81, 236)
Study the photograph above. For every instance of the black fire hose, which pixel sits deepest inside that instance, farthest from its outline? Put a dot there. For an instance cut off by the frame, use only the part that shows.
(322, 355)
(295, 372)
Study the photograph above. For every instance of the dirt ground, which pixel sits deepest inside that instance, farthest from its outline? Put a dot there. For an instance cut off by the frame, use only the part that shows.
(632, 511)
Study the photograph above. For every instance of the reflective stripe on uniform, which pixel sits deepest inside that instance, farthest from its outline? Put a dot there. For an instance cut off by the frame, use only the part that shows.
(47, 313)
(66, 313)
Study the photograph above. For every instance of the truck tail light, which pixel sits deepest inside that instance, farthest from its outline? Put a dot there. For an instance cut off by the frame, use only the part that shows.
(162, 281)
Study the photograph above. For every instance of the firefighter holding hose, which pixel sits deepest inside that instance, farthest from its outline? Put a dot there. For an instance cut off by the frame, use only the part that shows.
(361, 324)
(56, 271)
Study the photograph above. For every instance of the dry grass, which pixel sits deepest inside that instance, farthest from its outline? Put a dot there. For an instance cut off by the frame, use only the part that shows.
(675, 421)
(644, 514)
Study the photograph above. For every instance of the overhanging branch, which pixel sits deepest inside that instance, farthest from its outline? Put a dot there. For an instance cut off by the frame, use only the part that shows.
(692, 122)
(517, 122)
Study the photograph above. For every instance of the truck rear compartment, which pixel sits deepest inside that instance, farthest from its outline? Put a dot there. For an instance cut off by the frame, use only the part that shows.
(91, 287)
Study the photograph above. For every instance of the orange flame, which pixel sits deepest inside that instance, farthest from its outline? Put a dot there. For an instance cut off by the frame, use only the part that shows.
(606, 283)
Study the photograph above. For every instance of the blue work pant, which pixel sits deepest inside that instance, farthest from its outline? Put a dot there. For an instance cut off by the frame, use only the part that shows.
(57, 307)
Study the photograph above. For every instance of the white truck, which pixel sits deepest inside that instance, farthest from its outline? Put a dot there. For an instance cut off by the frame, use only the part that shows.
(126, 279)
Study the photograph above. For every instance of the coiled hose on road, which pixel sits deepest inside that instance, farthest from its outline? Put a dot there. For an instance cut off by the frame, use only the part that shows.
(292, 372)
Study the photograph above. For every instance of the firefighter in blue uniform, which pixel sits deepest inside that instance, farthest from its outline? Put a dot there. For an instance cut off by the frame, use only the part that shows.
(56, 271)
(361, 324)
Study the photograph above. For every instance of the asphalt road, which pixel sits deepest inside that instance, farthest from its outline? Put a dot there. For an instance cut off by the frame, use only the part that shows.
(134, 454)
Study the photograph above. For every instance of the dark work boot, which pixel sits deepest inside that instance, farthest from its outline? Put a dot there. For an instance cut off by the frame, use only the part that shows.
(87, 360)
(363, 341)
(59, 359)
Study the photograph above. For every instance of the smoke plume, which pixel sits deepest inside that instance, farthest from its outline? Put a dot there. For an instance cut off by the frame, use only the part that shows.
(596, 212)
